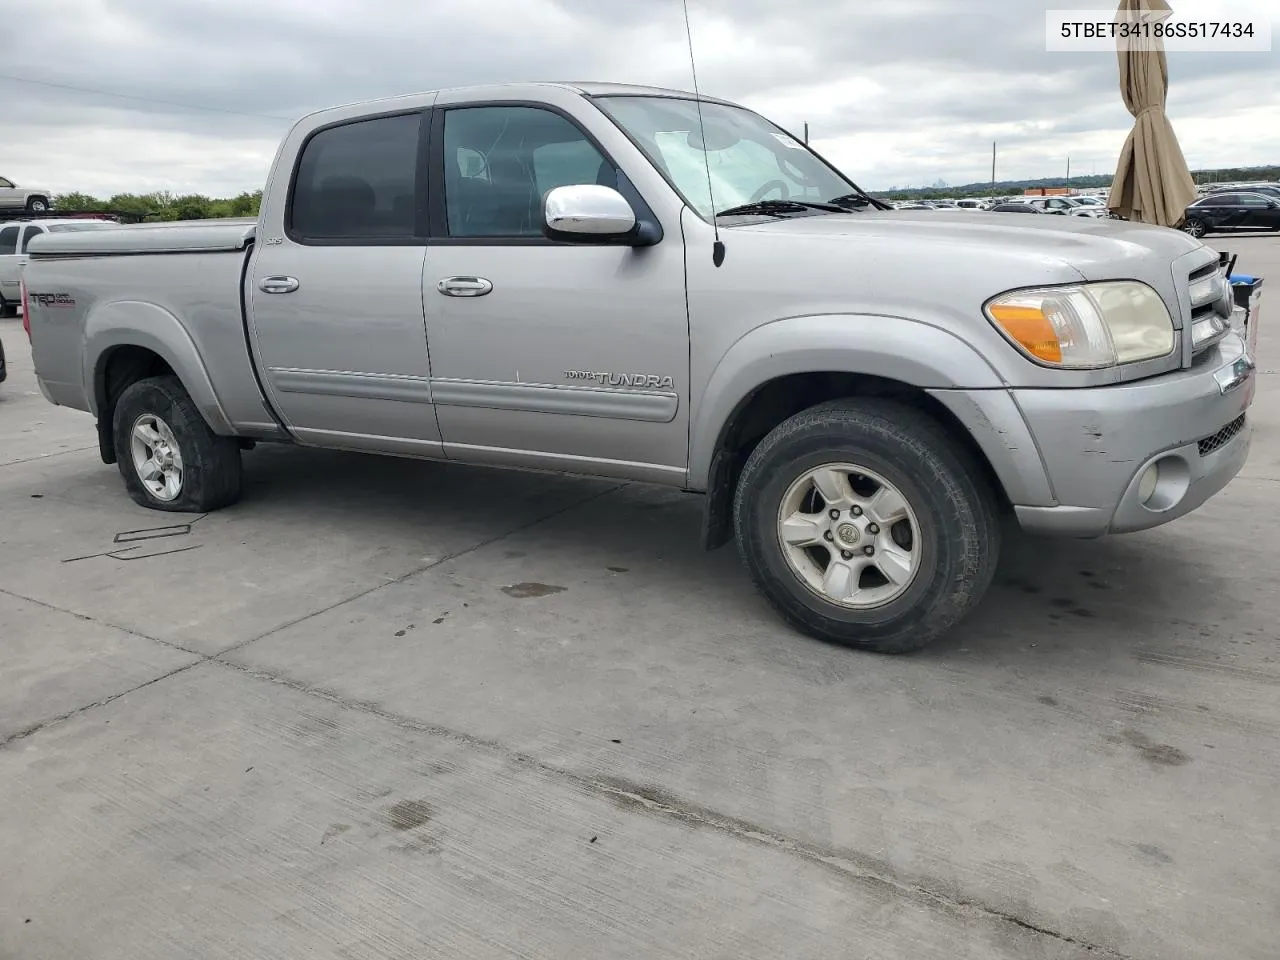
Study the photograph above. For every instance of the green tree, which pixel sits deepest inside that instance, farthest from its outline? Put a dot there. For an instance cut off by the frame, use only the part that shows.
(78, 202)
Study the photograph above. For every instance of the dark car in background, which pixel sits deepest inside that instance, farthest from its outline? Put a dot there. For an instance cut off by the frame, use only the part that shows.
(1016, 208)
(1245, 212)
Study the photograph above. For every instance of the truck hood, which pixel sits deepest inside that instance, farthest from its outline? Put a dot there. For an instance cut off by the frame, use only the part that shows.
(1096, 249)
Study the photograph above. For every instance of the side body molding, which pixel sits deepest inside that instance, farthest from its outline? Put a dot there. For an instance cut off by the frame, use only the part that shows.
(141, 324)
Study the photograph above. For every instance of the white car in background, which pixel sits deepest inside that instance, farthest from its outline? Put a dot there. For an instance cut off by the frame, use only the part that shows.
(1091, 201)
(15, 236)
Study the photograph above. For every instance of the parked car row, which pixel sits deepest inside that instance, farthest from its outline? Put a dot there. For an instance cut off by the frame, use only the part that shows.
(1068, 206)
(1258, 186)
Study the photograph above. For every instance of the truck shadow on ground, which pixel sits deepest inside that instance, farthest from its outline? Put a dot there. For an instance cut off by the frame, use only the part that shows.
(1103, 595)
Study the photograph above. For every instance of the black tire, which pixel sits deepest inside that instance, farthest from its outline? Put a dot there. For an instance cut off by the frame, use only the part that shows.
(37, 204)
(210, 463)
(959, 530)
(7, 309)
(1195, 227)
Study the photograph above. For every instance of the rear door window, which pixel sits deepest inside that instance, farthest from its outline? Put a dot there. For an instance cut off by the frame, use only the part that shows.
(358, 183)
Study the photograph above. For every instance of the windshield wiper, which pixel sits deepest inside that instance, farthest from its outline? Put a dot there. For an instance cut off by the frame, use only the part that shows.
(779, 208)
(859, 199)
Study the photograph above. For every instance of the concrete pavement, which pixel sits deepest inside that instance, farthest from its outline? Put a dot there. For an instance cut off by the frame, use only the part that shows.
(388, 709)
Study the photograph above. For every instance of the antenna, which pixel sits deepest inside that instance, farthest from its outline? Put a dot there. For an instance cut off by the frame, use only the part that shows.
(717, 249)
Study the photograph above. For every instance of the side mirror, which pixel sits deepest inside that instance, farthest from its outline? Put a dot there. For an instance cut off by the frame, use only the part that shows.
(586, 213)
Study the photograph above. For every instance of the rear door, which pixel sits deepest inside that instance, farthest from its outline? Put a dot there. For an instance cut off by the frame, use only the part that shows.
(9, 194)
(1257, 212)
(335, 304)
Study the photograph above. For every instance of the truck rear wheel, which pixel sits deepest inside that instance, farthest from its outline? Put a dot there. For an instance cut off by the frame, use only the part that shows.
(864, 524)
(168, 456)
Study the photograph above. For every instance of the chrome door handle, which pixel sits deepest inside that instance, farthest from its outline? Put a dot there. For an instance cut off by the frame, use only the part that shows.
(464, 286)
(278, 284)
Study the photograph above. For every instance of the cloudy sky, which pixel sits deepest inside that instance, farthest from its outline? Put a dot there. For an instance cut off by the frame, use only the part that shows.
(193, 95)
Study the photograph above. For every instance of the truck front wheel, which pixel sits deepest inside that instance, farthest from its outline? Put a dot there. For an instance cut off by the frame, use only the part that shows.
(863, 523)
(168, 456)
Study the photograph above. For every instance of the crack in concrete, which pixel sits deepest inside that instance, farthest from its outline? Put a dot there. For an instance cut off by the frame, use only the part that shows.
(103, 623)
(849, 865)
(47, 456)
(45, 724)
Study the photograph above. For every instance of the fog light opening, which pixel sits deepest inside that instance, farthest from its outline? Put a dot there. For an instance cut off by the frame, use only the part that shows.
(1164, 483)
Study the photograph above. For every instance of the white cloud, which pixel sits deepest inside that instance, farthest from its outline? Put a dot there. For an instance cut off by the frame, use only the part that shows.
(895, 93)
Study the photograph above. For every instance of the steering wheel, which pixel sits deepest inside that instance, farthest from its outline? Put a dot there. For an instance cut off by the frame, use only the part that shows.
(771, 185)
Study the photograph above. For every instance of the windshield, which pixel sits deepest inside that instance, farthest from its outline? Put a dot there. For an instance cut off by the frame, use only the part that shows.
(750, 159)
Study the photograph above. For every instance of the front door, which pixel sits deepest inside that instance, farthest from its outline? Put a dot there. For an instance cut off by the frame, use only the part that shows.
(561, 356)
(336, 302)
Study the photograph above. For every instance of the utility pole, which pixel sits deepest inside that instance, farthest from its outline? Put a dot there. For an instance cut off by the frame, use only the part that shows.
(806, 131)
(993, 164)
(1068, 172)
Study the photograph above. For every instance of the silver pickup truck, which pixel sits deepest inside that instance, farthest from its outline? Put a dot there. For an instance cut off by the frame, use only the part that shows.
(629, 282)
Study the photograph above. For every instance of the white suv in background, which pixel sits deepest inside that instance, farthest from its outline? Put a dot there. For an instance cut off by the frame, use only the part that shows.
(15, 236)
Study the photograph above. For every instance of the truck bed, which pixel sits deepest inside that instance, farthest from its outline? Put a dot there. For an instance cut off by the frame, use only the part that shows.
(174, 288)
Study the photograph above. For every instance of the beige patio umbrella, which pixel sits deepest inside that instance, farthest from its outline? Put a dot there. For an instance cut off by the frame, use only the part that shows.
(1152, 183)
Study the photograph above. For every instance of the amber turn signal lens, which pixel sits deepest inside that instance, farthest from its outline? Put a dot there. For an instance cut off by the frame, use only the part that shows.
(1030, 328)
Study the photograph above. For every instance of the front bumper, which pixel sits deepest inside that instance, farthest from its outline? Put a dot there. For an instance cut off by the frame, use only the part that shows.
(1097, 444)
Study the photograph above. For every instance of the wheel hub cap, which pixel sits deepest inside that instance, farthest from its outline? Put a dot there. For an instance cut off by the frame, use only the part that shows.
(156, 457)
(849, 535)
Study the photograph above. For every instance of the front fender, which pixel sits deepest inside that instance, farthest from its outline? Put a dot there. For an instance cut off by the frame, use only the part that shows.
(895, 348)
(135, 323)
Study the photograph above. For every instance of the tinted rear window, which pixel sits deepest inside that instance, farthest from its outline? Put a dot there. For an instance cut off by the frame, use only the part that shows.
(358, 181)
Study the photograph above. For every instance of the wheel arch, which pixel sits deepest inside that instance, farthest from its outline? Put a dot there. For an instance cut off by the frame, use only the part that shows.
(790, 366)
(127, 342)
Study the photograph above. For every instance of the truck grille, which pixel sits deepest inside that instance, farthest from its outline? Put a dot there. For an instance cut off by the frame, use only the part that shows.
(1210, 321)
(1220, 439)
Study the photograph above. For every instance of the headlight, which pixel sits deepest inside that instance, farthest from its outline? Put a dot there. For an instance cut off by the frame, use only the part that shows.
(1086, 326)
